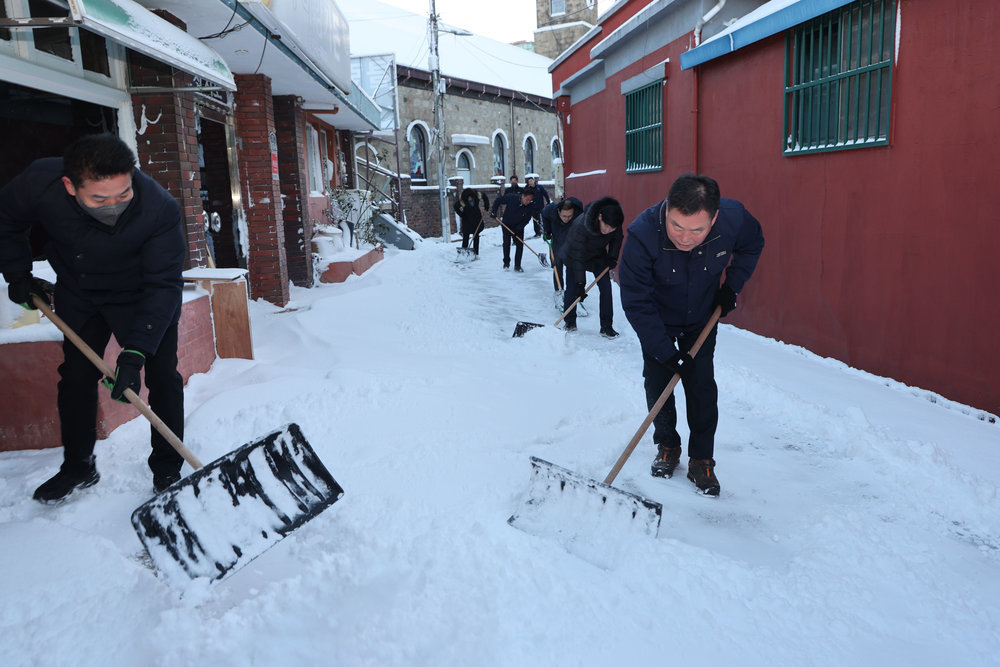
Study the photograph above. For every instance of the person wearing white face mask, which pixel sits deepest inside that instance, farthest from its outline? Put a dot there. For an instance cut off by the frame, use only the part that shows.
(115, 239)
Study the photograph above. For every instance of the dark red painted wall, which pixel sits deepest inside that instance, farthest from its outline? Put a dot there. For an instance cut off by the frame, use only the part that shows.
(879, 257)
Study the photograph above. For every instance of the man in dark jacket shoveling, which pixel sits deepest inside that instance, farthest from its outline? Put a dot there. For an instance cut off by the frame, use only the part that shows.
(671, 278)
(116, 242)
(592, 244)
(517, 211)
(556, 219)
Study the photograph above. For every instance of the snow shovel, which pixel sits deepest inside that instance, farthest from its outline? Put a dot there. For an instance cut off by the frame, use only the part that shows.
(468, 254)
(541, 258)
(219, 518)
(557, 494)
(522, 328)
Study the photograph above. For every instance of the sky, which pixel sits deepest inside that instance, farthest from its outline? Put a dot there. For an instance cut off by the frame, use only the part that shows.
(508, 21)
(858, 523)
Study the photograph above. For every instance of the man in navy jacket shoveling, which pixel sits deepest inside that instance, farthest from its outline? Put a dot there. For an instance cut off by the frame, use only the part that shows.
(671, 277)
(116, 242)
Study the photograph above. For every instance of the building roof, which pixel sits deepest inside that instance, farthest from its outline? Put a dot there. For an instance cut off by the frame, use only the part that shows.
(768, 19)
(377, 28)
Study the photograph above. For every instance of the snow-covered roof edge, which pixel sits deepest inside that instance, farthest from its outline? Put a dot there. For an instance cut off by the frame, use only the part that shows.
(768, 19)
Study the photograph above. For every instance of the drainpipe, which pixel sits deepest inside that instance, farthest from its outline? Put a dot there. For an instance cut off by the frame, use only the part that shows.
(696, 111)
(705, 19)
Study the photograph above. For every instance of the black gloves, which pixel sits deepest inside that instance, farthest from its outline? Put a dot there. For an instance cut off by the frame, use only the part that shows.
(581, 289)
(547, 238)
(21, 287)
(680, 364)
(726, 298)
(126, 375)
(612, 263)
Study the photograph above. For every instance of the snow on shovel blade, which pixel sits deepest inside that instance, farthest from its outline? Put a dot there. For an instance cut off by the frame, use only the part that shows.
(590, 518)
(222, 516)
(522, 328)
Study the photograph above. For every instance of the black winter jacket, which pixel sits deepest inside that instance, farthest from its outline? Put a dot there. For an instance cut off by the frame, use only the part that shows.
(131, 271)
(467, 208)
(553, 225)
(514, 215)
(586, 249)
(666, 291)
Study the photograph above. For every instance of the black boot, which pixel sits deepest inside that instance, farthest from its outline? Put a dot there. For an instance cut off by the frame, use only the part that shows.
(71, 476)
(702, 473)
(666, 461)
(608, 332)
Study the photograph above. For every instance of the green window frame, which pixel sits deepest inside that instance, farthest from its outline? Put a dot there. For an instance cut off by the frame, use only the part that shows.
(838, 79)
(644, 129)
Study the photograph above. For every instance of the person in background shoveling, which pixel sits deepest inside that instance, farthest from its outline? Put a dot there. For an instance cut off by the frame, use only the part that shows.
(115, 239)
(517, 210)
(542, 200)
(671, 278)
(592, 244)
(467, 208)
(556, 219)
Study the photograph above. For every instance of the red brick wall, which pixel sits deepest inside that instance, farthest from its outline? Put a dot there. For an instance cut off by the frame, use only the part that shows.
(261, 191)
(167, 143)
(290, 126)
(28, 416)
(423, 210)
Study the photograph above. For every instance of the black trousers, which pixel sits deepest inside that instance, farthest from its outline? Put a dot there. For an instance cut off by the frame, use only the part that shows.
(518, 245)
(475, 240)
(607, 306)
(77, 396)
(701, 396)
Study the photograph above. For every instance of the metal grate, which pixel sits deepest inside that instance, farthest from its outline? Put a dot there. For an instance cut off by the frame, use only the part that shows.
(838, 79)
(644, 128)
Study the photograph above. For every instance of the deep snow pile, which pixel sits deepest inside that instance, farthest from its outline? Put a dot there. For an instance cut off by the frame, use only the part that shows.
(858, 521)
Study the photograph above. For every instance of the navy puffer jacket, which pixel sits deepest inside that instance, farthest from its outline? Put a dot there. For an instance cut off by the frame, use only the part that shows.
(666, 291)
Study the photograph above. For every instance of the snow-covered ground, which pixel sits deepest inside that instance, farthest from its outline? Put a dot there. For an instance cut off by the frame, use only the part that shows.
(858, 523)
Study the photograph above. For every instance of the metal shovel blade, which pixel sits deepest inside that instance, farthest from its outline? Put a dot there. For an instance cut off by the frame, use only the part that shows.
(522, 328)
(222, 516)
(543, 260)
(576, 509)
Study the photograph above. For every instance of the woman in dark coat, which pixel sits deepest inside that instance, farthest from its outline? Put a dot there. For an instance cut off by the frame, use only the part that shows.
(467, 208)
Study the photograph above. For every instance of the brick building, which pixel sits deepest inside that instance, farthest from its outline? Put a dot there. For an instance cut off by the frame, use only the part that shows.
(239, 124)
(499, 117)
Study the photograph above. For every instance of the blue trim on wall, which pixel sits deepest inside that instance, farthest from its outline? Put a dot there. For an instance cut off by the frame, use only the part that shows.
(740, 35)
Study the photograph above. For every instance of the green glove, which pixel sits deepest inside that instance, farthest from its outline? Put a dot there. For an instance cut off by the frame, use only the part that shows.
(126, 375)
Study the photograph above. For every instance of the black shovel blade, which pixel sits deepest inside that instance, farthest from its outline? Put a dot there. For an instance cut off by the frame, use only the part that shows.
(522, 328)
(575, 509)
(222, 516)
(543, 260)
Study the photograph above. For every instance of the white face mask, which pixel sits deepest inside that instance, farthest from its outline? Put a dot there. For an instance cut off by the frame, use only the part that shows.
(106, 215)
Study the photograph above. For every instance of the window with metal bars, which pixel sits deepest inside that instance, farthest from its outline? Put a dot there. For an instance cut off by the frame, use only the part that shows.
(644, 128)
(838, 79)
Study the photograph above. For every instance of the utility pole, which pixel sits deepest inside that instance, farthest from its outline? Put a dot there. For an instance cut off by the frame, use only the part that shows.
(439, 85)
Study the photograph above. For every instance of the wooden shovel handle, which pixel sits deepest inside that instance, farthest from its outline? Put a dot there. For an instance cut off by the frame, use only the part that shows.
(669, 389)
(580, 298)
(515, 236)
(132, 397)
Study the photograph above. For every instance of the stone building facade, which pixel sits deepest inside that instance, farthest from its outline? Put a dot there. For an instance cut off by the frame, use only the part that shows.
(491, 133)
(560, 23)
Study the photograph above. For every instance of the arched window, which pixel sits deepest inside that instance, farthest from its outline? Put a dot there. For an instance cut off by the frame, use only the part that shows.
(556, 150)
(463, 166)
(418, 153)
(529, 155)
(499, 168)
